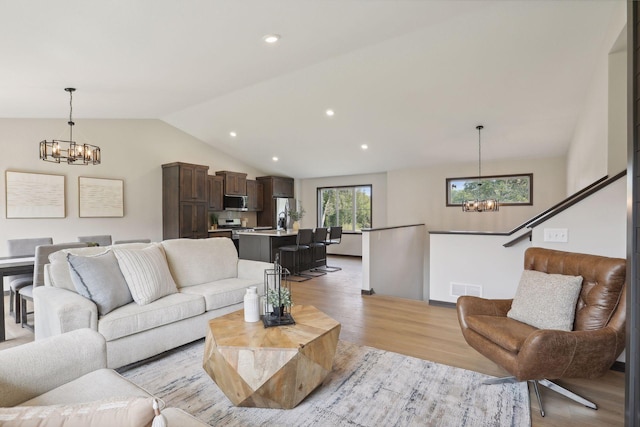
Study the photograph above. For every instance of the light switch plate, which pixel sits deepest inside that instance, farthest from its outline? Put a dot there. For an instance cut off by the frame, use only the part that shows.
(558, 235)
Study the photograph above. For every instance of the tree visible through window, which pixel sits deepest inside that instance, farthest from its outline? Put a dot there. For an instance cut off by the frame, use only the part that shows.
(508, 190)
(348, 207)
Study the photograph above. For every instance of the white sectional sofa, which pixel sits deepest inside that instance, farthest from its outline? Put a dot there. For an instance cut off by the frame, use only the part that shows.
(65, 377)
(210, 281)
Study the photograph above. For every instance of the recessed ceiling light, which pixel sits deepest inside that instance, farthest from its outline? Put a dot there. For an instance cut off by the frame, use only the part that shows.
(364, 146)
(330, 112)
(274, 158)
(271, 38)
(233, 134)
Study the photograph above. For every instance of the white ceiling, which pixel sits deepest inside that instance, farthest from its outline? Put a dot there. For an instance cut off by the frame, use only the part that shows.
(411, 79)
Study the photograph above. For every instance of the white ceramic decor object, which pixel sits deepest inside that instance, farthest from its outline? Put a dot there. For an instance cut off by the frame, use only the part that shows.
(251, 305)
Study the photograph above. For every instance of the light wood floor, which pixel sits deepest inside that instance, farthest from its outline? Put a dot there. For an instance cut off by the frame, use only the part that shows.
(416, 329)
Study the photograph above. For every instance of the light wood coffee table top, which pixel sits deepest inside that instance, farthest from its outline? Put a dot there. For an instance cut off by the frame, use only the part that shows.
(272, 367)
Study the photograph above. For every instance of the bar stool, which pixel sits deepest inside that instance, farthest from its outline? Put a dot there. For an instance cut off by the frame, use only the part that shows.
(303, 239)
(319, 251)
(335, 237)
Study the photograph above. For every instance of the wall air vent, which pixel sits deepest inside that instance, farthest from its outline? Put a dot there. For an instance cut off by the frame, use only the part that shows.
(460, 289)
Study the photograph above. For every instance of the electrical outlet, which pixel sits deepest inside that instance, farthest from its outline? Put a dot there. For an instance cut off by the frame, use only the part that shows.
(558, 235)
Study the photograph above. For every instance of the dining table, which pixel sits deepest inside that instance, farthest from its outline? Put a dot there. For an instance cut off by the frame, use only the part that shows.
(10, 266)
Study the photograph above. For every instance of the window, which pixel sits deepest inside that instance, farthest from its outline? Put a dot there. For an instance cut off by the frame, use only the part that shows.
(349, 207)
(508, 190)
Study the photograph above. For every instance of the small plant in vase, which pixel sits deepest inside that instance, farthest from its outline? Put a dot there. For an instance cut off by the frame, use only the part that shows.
(296, 216)
(214, 221)
(279, 301)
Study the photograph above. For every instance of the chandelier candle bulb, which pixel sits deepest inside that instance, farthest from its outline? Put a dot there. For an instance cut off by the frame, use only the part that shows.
(251, 305)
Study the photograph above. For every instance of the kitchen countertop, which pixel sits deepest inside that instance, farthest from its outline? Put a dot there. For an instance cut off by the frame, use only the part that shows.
(269, 233)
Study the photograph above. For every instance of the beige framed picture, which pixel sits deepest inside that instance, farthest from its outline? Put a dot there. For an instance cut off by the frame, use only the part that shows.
(34, 195)
(100, 197)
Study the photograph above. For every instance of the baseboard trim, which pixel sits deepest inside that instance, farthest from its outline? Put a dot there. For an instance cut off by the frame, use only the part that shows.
(619, 366)
(366, 292)
(437, 303)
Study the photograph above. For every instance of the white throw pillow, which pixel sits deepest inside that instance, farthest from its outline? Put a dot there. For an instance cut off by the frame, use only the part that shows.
(99, 278)
(546, 301)
(146, 272)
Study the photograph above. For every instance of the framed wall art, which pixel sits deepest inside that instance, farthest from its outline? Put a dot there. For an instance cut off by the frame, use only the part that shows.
(100, 197)
(34, 195)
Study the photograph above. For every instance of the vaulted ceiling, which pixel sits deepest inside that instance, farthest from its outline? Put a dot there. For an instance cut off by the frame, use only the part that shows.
(411, 79)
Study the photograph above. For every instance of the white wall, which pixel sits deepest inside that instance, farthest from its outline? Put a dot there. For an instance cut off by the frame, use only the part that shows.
(393, 262)
(588, 151)
(132, 150)
(418, 196)
(306, 193)
(596, 225)
(474, 260)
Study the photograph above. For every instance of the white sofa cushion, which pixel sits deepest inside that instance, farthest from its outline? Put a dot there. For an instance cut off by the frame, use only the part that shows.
(222, 293)
(146, 272)
(133, 318)
(197, 261)
(96, 385)
(115, 411)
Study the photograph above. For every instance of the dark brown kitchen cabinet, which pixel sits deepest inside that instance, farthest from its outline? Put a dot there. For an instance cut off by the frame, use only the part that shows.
(282, 187)
(235, 183)
(215, 192)
(255, 197)
(184, 201)
(272, 187)
(193, 220)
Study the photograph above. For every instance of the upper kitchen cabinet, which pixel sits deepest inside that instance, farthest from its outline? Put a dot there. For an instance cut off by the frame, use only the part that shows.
(235, 183)
(255, 196)
(282, 187)
(193, 181)
(184, 201)
(215, 192)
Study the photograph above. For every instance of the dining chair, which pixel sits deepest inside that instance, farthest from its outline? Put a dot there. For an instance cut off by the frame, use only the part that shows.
(120, 242)
(98, 240)
(41, 258)
(18, 248)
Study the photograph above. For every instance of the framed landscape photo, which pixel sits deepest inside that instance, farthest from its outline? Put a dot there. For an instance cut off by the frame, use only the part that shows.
(508, 190)
(34, 195)
(101, 197)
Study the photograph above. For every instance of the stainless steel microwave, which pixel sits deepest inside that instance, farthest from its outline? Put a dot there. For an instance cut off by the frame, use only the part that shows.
(235, 203)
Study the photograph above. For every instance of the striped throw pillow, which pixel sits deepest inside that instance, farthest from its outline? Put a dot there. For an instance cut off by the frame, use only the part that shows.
(146, 272)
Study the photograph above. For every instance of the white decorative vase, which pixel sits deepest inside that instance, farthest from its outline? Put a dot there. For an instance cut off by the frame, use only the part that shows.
(251, 305)
(295, 225)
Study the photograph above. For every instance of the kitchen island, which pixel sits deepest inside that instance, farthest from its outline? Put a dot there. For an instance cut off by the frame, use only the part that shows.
(262, 245)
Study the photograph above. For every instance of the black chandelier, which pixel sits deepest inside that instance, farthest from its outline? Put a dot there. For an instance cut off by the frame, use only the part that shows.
(69, 151)
(479, 205)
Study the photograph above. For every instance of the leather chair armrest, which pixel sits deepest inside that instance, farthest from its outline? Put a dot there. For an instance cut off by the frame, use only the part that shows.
(469, 306)
(553, 354)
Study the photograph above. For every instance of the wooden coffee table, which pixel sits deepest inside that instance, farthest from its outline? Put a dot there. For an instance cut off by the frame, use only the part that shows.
(272, 367)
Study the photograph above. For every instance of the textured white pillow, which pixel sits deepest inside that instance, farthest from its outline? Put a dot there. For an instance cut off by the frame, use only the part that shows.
(146, 272)
(546, 301)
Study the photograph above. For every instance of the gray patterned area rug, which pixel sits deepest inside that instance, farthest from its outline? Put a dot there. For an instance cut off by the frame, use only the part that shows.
(367, 387)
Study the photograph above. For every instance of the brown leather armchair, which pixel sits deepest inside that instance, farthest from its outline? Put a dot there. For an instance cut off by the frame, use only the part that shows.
(536, 355)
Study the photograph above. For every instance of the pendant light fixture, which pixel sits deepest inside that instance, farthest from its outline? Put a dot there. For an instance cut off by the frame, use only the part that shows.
(74, 154)
(479, 205)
